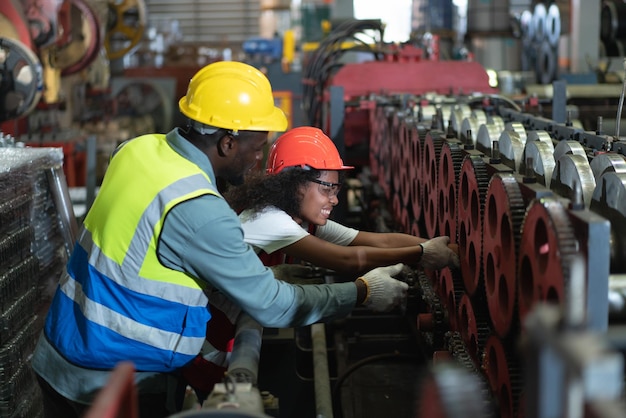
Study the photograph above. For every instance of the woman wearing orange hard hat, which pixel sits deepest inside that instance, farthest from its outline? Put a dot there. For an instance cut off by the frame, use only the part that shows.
(288, 213)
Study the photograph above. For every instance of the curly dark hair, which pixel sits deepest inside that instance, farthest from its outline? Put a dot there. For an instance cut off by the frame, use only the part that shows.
(282, 190)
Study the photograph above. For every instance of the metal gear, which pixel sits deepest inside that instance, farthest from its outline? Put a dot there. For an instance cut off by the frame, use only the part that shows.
(548, 242)
(416, 170)
(437, 311)
(450, 162)
(21, 79)
(432, 150)
(126, 24)
(395, 139)
(474, 326)
(407, 130)
(504, 376)
(504, 213)
(473, 183)
(450, 292)
(84, 40)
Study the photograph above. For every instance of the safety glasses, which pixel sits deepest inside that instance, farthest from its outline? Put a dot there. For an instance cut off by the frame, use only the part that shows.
(328, 189)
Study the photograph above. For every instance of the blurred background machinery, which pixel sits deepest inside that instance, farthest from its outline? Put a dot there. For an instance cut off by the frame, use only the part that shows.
(494, 122)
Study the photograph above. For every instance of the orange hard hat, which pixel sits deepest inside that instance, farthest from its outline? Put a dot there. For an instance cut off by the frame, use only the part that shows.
(301, 147)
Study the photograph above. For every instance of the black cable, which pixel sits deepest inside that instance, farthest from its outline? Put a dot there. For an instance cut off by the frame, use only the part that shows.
(336, 395)
(325, 61)
(497, 97)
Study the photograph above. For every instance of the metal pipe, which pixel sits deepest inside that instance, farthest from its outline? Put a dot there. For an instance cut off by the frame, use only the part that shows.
(63, 203)
(91, 178)
(321, 376)
(621, 104)
(244, 360)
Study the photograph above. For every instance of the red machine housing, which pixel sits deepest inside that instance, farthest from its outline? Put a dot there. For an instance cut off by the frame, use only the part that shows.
(420, 77)
(402, 76)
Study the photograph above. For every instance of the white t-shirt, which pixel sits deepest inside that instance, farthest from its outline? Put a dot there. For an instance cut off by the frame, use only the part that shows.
(272, 229)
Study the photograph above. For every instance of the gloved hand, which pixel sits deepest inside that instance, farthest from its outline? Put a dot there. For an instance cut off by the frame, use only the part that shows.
(436, 254)
(383, 291)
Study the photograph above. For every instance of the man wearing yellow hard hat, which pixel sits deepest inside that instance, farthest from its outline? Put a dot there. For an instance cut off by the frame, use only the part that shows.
(160, 243)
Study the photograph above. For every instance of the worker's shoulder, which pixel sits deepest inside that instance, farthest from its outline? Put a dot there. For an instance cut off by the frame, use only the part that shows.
(202, 210)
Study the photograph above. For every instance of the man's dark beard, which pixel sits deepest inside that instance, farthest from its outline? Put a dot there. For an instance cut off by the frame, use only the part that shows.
(236, 181)
(223, 184)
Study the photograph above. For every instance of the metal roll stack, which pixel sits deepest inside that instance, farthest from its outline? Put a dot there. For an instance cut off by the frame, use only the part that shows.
(613, 28)
(541, 31)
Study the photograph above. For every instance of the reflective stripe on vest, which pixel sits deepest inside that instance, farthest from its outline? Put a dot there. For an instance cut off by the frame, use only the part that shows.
(116, 301)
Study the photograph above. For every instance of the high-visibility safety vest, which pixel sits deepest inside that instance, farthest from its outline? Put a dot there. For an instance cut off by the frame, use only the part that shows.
(116, 301)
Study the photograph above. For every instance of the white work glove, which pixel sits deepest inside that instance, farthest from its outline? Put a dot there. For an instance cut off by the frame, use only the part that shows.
(437, 255)
(383, 291)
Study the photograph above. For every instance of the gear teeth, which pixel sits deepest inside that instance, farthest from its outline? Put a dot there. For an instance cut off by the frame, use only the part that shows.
(453, 151)
(429, 209)
(514, 378)
(568, 244)
(407, 126)
(517, 387)
(559, 225)
(516, 208)
(436, 337)
(457, 348)
(396, 147)
(479, 320)
(449, 390)
(478, 170)
(459, 352)
(417, 167)
(459, 291)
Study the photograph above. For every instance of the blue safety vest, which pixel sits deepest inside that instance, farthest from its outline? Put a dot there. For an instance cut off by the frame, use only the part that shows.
(116, 301)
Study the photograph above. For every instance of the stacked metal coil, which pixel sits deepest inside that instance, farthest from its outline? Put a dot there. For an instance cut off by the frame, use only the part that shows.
(541, 31)
(613, 27)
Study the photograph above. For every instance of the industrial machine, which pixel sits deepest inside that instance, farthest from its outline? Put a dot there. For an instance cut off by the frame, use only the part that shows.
(535, 203)
(532, 193)
(56, 87)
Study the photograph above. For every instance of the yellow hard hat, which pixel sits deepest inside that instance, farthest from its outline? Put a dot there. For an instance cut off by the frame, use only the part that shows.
(232, 95)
